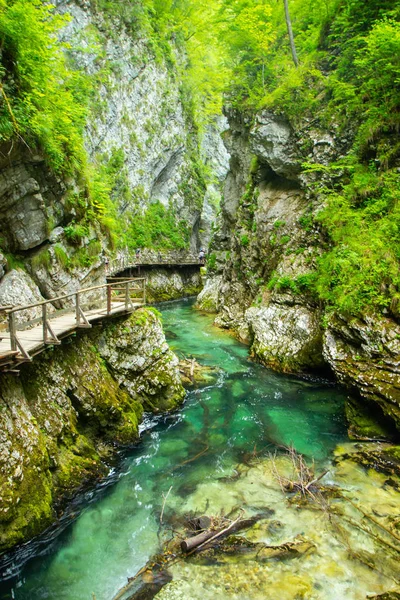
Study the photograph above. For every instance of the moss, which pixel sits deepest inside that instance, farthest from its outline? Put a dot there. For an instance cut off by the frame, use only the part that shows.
(169, 292)
(207, 305)
(365, 422)
(26, 507)
(73, 407)
(309, 357)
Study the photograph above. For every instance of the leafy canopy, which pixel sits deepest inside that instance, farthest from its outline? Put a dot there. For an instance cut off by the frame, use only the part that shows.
(42, 99)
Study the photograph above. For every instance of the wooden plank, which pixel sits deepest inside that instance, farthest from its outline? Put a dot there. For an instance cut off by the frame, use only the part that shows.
(32, 339)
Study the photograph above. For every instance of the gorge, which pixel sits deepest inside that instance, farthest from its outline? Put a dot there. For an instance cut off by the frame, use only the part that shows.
(137, 134)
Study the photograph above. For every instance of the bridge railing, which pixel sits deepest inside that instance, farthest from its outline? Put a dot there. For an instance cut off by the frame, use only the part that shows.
(127, 260)
(115, 295)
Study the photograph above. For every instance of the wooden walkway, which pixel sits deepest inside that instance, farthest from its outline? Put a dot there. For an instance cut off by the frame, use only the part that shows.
(125, 263)
(23, 339)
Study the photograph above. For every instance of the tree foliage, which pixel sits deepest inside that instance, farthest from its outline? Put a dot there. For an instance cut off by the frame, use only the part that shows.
(42, 99)
(237, 51)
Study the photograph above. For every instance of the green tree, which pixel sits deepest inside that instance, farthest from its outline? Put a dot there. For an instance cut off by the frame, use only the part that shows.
(290, 33)
(43, 100)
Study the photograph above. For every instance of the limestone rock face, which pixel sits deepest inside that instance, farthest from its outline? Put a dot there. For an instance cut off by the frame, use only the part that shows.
(68, 408)
(164, 284)
(31, 200)
(287, 338)
(263, 257)
(32, 208)
(272, 141)
(57, 277)
(236, 142)
(365, 355)
(216, 157)
(137, 120)
(139, 114)
(17, 289)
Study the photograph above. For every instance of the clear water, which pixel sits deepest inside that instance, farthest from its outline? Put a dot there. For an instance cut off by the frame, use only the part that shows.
(248, 409)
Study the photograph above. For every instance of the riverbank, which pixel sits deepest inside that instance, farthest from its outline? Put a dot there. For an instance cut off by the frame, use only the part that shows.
(61, 420)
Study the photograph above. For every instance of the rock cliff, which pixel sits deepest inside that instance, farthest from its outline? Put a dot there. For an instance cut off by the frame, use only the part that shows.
(60, 420)
(263, 256)
(141, 138)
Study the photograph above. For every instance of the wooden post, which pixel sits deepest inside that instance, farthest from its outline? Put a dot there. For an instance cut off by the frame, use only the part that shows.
(144, 291)
(13, 334)
(44, 319)
(108, 299)
(127, 296)
(77, 312)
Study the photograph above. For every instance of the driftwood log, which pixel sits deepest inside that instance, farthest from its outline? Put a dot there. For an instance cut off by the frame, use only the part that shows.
(190, 543)
(199, 541)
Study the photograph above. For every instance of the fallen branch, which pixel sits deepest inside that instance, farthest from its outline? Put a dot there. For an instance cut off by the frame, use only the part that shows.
(195, 541)
(218, 534)
(303, 481)
(163, 506)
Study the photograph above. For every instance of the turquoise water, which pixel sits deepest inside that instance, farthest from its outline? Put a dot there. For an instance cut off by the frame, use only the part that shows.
(247, 410)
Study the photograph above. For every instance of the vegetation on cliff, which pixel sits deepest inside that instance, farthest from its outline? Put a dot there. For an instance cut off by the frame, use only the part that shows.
(47, 100)
(347, 81)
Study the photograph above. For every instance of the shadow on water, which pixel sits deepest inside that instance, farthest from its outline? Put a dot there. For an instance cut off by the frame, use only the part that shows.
(247, 410)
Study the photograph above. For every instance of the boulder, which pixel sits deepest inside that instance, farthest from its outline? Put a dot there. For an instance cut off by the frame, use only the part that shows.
(287, 338)
(141, 361)
(208, 298)
(364, 354)
(272, 141)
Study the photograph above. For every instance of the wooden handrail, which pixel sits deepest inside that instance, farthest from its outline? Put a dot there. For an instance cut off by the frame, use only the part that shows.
(49, 333)
(128, 261)
(65, 296)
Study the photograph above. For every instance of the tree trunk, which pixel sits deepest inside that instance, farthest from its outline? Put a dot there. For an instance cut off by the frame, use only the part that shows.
(290, 33)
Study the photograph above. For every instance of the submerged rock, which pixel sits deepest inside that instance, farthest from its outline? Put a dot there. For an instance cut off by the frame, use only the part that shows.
(62, 414)
(192, 373)
(394, 595)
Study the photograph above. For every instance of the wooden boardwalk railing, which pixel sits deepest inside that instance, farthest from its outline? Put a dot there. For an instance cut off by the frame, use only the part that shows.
(24, 337)
(125, 262)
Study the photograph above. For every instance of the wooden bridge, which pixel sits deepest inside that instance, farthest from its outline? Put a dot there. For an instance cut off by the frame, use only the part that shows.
(132, 261)
(24, 337)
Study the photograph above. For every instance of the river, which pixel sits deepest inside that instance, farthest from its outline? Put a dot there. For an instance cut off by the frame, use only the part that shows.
(244, 413)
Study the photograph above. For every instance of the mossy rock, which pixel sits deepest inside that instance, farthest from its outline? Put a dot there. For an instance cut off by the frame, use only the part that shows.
(67, 408)
(366, 421)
